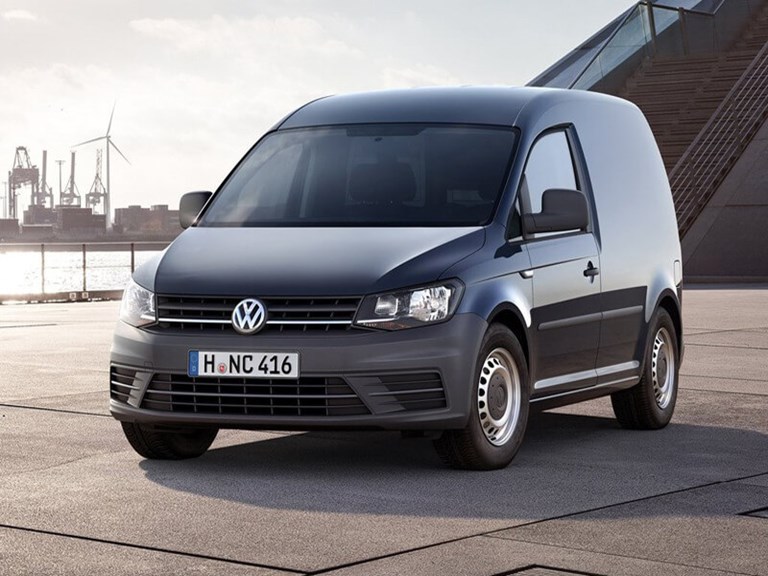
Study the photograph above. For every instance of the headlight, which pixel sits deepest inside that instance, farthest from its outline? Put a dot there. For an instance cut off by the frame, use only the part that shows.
(138, 306)
(411, 308)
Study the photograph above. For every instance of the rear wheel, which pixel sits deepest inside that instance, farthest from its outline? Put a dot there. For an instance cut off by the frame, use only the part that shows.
(649, 405)
(499, 411)
(162, 445)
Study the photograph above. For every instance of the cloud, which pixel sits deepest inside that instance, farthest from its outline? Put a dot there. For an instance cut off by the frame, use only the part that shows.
(417, 75)
(244, 36)
(19, 15)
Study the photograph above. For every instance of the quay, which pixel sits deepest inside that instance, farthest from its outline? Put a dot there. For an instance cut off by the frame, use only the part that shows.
(582, 497)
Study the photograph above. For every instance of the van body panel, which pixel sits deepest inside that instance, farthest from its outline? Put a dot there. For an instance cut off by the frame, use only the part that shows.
(566, 312)
(320, 262)
(585, 335)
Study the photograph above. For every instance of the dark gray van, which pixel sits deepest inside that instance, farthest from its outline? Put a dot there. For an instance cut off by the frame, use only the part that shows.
(437, 260)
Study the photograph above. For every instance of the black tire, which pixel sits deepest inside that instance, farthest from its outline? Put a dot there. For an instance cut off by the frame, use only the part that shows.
(472, 448)
(648, 405)
(160, 445)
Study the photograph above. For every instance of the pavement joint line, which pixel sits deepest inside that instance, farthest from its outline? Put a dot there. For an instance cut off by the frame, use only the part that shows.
(614, 555)
(709, 331)
(754, 513)
(150, 548)
(28, 326)
(490, 533)
(60, 410)
(633, 501)
(688, 344)
(523, 569)
(725, 391)
(723, 378)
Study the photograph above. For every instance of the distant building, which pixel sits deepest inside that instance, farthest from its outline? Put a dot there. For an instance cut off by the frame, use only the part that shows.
(42, 232)
(156, 219)
(80, 221)
(9, 228)
(35, 215)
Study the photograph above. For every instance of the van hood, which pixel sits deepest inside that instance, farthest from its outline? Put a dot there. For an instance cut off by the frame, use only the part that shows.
(307, 261)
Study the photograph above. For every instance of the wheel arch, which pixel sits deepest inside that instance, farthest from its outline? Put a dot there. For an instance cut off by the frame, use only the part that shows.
(670, 302)
(510, 316)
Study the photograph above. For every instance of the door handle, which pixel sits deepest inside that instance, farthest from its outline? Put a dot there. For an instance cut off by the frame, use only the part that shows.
(591, 270)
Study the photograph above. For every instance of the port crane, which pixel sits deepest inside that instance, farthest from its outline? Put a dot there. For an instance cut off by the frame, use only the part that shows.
(24, 173)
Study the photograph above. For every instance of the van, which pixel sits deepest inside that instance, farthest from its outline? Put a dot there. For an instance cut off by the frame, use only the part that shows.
(437, 261)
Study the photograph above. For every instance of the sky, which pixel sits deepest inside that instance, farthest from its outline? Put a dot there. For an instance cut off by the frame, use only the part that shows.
(196, 82)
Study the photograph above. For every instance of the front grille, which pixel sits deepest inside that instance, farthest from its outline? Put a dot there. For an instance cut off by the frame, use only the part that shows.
(307, 396)
(121, 383)
(409, 392)
(213, 314)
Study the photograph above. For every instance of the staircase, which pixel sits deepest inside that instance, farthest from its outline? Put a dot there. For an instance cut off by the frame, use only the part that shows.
(703, 111)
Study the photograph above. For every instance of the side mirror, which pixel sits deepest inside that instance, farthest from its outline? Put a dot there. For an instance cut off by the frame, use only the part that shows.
(190, 206)
(561, 210)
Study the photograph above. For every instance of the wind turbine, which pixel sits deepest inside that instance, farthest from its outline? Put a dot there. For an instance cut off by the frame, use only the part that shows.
(109, 143)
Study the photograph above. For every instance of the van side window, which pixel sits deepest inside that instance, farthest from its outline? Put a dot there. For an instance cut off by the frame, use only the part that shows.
(550, 165)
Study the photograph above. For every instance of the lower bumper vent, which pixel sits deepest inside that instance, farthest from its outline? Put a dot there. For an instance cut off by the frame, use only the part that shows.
(245, 396)
(121, 383)
(409, 392)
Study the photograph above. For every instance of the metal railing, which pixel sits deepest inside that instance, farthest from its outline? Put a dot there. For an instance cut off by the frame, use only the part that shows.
(74, 264)
(709, 158)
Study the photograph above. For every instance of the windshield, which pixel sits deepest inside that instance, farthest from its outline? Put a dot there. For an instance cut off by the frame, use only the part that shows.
(368, 175)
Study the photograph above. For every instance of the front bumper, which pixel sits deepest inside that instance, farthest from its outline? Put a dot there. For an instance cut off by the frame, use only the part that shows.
(362, 359)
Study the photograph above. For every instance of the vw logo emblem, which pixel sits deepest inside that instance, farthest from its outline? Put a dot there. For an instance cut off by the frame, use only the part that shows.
(249, 316)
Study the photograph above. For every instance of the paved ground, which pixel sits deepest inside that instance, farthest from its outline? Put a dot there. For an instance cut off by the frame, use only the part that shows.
(582, 495)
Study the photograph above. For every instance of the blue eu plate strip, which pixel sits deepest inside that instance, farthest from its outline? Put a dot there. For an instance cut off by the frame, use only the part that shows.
(193, 368)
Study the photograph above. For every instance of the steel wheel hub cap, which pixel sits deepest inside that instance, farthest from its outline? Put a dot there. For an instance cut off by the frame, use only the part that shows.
(499, 397)
(663, 368)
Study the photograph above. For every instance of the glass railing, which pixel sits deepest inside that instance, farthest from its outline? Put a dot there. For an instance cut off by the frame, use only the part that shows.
(660, 28)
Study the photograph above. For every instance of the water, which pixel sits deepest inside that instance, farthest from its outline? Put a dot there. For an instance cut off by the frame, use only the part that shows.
(20, 272)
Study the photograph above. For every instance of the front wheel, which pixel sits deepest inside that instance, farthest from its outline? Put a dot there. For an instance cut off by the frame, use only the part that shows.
(499, 411)
(649, 404)
(162, 445)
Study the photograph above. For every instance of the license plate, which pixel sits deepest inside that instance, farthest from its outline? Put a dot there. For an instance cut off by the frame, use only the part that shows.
(243, 364)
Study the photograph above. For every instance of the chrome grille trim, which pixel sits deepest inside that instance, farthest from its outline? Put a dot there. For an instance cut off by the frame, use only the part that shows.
(213, 313)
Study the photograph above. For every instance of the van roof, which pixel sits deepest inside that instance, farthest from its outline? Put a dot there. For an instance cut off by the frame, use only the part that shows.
(497, 105)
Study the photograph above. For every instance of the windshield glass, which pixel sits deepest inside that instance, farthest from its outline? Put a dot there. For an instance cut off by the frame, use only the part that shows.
(368, 175)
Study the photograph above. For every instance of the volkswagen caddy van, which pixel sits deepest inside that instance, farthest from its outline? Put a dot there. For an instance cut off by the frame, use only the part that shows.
(438, 261)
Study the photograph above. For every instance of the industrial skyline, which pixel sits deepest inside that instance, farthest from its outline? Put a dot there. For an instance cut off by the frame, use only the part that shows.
(198, 82)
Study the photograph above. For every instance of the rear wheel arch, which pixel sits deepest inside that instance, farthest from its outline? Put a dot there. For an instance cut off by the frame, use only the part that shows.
(672, 306)
(667, 300)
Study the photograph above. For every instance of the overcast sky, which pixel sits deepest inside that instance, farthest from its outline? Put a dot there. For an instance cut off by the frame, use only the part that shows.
(197, 82)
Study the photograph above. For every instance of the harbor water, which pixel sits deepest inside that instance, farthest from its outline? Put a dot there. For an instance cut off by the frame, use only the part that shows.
(53, 269)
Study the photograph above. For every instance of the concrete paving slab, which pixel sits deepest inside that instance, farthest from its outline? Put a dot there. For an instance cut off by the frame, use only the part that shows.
(701, 527)
(27, 553)
(314, 501)
(731, 363)
(722, 411)
(34, 441)
(75, 312)
(725, 309)
(487, 556)
(757, 481)
(70, 356)
(752, 339)
(726, 385)
(84, 402)
(337, 498)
